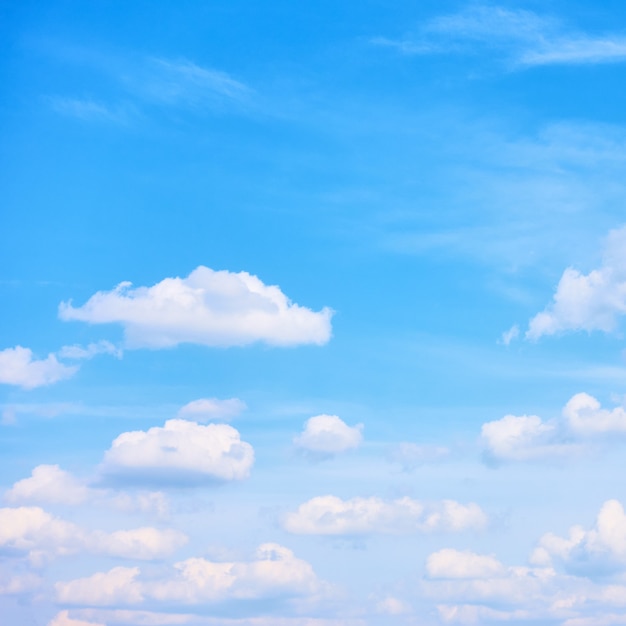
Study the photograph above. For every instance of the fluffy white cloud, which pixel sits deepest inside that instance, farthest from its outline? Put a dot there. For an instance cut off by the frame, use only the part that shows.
(33, 531)
(585, 416)
(208, 409)
(49, 484)
(19, 584)
(522, 438)
(327, 435)
(329, 515)
(588, 302)
(18, 367)
(527, 437)
(212, 308)
(181, 450)
(601, 549)
(63, 619)
(275, 572)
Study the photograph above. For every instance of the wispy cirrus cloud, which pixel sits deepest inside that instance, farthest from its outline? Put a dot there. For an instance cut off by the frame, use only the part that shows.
(523, 38)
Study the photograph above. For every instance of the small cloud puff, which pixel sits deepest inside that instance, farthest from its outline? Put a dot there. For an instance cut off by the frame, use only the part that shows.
(180, 451)
(588, 302)
(209, 409)
(19, 367)
(326, 435)
(210, 308)
(329, 515)
(274, 573)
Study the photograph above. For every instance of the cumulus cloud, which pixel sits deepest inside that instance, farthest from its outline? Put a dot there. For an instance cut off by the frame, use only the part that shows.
(117, 586)
(330, 515)
(593, 301)
(209, 409)
(326, 435)
(274, 572)
(602, 549)
(49, 484)
(522, 438)
(585, 417)
(19, 367)
(181, 451)
(528, 437)
(211, 308)
(460, 579)
(38, 534)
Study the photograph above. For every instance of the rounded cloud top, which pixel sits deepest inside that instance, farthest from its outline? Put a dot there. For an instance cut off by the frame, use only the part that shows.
(181, 450)
(208, 307)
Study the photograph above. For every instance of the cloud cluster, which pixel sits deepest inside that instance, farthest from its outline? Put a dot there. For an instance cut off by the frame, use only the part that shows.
(39, 535)
(330, 515)
(180, 451)
(589, 302)
(274, 573)
(326, 435)
(475, 588)
(211, 308)
(528, 437)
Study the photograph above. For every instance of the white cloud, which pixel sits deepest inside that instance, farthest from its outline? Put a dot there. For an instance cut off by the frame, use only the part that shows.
(18, 367)
(40, 535)
(49, 484)
(599, 550)
(63, 619)
(528, 437)
(80, 353)
(585, 416)
(181, 450)
(454, 564)
(329, 515)
(522, 438)
(411, 455)
(589, 302)
(275, 572)
(211, 308)
(328, 434)
(117, 586)
(525, 38)
(208, 409)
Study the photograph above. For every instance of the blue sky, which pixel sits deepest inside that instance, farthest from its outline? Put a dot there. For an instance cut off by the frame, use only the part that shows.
(313, 313)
